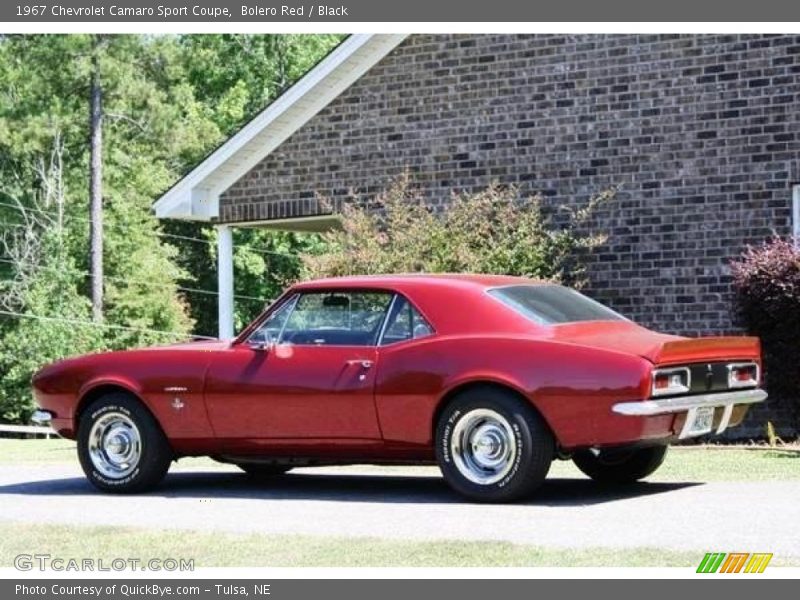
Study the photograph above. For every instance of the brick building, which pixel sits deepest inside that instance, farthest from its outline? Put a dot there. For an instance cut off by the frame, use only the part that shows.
(702, 133)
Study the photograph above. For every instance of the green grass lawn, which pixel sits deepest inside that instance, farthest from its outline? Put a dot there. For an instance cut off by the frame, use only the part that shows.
(723, 463)
(690, 463)
(229, 550)
(29, 451)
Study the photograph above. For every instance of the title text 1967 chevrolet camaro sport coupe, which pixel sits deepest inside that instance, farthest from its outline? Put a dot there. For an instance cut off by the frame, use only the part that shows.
(491, 377)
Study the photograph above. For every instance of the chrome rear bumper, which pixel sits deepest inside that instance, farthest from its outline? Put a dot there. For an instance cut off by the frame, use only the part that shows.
(726, 400)
(648, 408)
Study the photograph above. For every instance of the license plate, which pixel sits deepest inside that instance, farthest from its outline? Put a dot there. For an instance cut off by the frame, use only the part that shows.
(698, 421)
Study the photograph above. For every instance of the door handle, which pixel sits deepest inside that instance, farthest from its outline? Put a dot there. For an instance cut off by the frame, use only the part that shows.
(364, 364)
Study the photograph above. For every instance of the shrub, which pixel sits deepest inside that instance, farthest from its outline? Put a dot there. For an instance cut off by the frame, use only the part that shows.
(766, 282)
(492, 231)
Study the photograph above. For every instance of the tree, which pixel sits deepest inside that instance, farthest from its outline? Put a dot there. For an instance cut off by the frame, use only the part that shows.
(46, 81)
(45, 84)
(164, 102)
(235, 76)
(232, 78)
(45, 287)
(38, 339)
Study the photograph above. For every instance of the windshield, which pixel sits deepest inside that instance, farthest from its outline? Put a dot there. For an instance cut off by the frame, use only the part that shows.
(553, 304)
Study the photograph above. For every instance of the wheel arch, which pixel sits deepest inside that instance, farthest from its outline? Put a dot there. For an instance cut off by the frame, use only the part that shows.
(99, 389)
(485, 382)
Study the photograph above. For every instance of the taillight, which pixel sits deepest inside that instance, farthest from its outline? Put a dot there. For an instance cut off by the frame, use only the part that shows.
(742, 375)
(671, 381)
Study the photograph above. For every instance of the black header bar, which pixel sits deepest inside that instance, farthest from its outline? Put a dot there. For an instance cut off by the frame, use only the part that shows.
(473, 11)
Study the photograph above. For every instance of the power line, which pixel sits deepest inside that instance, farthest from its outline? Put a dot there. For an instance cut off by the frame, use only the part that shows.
(149, 283)
(104, 325)
(120, 227)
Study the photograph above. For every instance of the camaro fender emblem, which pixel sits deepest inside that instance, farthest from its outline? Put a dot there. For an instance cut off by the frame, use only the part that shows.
(177, 403)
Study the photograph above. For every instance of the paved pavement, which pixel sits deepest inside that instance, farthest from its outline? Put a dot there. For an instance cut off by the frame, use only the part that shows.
(416, 504)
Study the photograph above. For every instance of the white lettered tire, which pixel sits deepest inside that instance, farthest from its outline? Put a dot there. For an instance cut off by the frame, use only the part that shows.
(492, 445)
(121, 447)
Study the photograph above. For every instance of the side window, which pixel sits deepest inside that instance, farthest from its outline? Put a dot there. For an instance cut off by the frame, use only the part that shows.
(270, 329)
(405, 323)
(337, 318)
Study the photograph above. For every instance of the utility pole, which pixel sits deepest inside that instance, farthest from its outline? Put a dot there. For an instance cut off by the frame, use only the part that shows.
(96, 184)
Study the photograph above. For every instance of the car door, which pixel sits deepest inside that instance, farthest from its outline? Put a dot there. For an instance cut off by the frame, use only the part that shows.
(307, 372)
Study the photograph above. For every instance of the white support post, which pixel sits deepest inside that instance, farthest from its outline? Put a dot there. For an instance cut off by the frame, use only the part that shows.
(225, 281)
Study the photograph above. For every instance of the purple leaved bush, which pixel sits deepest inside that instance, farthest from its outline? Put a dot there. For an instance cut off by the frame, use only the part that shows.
(766, 281)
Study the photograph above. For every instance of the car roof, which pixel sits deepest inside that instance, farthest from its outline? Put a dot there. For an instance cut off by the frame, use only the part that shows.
(413, 280)
(454, 303)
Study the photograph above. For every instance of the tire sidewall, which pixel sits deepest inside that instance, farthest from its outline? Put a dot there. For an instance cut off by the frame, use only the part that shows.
(152, 463)
(515, 481)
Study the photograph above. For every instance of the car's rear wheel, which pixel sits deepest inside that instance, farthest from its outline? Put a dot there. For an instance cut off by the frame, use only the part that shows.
(258, 471)
(620, 465)
(121, 447)
(492, 446)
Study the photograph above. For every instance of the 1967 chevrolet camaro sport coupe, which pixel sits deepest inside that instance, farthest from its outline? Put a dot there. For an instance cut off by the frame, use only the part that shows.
(491, 377)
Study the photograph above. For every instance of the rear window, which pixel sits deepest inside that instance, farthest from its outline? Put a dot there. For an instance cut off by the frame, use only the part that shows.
(553, 304)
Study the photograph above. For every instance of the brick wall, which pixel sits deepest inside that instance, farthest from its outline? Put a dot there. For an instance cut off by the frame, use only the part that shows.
(701, 132)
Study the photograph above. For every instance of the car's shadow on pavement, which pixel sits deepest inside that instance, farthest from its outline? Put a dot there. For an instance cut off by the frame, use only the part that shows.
(348, 488)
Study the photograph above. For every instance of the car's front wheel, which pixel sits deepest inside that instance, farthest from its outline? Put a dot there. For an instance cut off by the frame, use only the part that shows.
(620, 465)
(121, 447)
(492, 446)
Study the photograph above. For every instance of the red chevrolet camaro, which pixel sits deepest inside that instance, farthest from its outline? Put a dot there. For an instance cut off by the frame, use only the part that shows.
(491, 377)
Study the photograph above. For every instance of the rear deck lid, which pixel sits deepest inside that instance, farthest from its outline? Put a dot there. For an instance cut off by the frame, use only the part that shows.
(691, 350)
(658, 348)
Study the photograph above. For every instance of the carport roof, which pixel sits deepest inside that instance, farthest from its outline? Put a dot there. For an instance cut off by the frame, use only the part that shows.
(195, 197)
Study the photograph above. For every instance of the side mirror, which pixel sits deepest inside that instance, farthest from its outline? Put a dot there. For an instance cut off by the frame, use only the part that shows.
(263, 346)
(261, 341)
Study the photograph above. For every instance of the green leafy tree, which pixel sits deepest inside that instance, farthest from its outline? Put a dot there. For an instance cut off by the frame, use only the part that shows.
(56, 326)
(232, 78)
(45, 82)
(167, 101)
(235, 76)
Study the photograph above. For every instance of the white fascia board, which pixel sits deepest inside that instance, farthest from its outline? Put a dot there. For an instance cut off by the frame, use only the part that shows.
(196, 196)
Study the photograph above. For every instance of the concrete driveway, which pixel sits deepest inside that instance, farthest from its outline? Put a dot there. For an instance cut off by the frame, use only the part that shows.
(415, 504)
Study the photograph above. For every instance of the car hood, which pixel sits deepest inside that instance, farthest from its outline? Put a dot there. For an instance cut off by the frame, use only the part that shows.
(95, 358)
(658, 348)
(198, 345)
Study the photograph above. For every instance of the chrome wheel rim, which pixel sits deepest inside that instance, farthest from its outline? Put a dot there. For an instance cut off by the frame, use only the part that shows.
(115, 446)
(483, 446)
